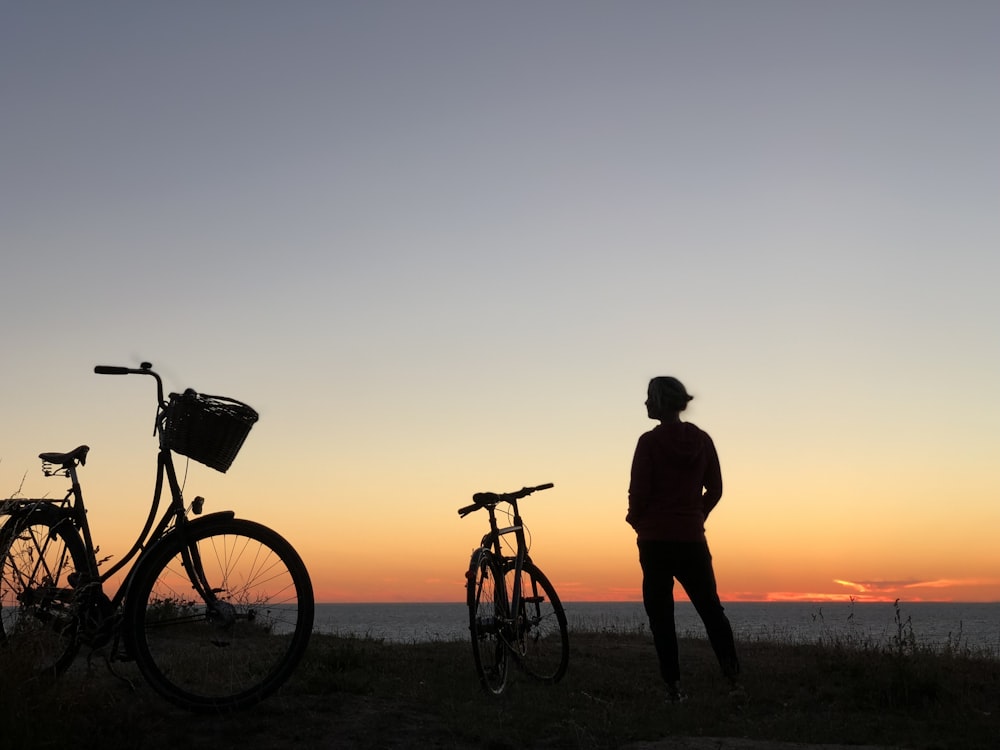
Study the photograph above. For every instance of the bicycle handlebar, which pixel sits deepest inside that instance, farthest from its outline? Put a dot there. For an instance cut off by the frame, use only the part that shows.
(144, 368)
(485, 499)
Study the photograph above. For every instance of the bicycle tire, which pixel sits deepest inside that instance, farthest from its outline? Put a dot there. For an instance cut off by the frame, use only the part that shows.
(487, 614)
(40, 553)
(541, 645)
(236, 650)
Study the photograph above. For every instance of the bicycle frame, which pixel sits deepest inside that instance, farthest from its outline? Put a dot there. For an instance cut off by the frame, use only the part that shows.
(491, 545)
(173, 520)
(492, 542)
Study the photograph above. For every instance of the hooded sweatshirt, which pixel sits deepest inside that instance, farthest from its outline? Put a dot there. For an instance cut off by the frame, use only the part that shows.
(676, 481)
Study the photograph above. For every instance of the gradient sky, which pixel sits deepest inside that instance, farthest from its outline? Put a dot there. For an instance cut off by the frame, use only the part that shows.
(442, 246)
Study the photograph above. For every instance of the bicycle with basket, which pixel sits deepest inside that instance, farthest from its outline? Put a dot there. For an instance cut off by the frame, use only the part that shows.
(215, 610)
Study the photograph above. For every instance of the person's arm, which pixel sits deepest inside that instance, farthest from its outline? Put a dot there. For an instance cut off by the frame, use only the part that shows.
(640, 483)
(713, 479)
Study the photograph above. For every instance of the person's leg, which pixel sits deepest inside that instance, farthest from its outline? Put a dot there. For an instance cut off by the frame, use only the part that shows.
(695, 573)
(658, 600)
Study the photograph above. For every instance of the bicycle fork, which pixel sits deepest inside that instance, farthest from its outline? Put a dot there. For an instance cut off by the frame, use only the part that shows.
(219, 613)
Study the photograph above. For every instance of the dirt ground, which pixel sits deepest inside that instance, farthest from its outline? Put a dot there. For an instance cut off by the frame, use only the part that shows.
(735, 743)
(362, 722)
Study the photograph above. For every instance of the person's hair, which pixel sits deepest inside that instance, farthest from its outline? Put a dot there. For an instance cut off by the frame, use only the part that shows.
(667, 394)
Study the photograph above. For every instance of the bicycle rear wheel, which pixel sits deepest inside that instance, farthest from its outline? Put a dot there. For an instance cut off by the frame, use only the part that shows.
(487, 614)
(541, 647)
(239, 642)
(40, 553)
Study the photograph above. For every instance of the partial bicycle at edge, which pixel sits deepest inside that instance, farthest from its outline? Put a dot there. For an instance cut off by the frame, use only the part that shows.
(514, 611)
(216, 611)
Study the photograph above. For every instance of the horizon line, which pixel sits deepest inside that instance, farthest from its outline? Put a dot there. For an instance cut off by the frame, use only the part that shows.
(725, 602)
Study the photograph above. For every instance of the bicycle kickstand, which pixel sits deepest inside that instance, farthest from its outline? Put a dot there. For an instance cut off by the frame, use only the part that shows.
(106, 654)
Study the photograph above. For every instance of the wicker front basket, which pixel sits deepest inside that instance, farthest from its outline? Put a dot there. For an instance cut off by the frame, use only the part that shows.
(209, 429)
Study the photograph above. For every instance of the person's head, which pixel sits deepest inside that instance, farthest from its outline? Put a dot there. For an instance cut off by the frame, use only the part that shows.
(666, 396)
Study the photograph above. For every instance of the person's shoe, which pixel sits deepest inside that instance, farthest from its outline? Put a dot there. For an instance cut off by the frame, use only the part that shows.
(675, 694)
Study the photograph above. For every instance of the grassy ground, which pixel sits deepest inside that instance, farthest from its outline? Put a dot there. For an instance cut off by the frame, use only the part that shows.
(362, 693)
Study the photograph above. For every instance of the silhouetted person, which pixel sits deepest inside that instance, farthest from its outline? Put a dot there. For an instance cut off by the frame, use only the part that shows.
(676, 482)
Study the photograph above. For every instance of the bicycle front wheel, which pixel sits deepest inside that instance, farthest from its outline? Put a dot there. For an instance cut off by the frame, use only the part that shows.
(541, 645)
(487, 615)
(220, 615)
(40, 556)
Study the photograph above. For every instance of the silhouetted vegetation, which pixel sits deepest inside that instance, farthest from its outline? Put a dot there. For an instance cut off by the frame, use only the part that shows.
(361, 692)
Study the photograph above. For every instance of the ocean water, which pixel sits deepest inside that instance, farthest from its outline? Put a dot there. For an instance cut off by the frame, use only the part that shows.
(975, 626)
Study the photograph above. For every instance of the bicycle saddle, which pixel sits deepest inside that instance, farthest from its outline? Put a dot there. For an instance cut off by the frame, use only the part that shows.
(67, 459)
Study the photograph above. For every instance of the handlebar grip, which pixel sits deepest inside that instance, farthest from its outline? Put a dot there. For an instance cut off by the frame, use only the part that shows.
(546, 486)
(468, 509)
(111, 370)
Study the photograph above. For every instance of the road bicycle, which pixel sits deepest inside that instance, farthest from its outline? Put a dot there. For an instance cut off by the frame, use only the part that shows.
(514, 612)
(216, 611)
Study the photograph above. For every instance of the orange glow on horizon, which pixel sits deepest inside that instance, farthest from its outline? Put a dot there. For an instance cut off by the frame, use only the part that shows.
(798, 596)
(455, 592)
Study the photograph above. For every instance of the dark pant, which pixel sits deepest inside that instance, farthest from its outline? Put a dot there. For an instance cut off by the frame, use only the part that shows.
(691, 564)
